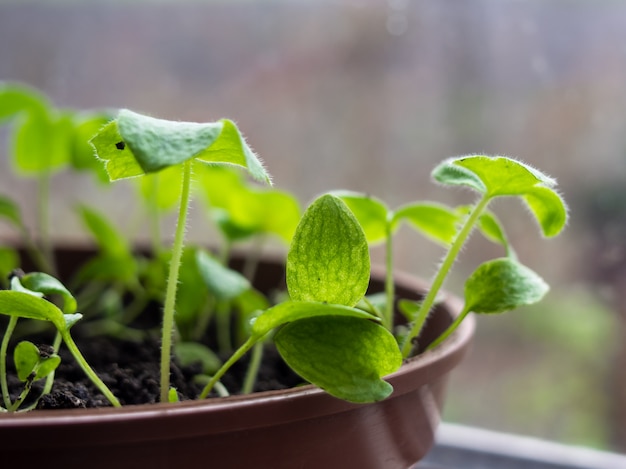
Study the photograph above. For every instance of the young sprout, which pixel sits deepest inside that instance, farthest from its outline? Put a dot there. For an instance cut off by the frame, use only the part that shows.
(135, 145)
(45, 141)
(496, 286)
(319, 332)
(25, 300)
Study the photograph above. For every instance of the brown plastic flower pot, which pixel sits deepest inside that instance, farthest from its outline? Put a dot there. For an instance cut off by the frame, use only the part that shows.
(296, 428)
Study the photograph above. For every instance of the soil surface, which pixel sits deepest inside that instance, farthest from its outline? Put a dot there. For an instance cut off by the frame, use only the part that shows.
(131, 371)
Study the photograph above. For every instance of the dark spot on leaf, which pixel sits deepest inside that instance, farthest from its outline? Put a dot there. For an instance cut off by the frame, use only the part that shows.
(120, 145)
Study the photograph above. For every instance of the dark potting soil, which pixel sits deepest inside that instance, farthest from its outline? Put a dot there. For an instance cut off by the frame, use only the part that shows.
(131, 371)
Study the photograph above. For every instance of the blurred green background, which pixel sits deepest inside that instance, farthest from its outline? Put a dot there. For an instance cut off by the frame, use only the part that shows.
(369, 96)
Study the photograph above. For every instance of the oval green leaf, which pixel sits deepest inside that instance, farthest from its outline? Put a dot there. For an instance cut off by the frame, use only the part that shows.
(106, 236)
(43, 142)
(435, 221)
(25, 357)
(224, 283)
(189, 353)
(347, 357)
(328, 260)
(502, 284)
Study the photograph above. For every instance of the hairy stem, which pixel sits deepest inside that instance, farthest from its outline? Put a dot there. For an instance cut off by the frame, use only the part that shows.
(443, 272)
(172, 283)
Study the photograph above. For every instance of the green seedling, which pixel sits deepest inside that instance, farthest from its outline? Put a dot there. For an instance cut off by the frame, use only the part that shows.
(25, 300)
(135, 145)
(319, 332)
(328, 329)
(45, 140)
(496, 286)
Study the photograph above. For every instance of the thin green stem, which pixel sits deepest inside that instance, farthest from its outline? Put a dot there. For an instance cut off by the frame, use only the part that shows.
(443, 272)
(3, 361)
(50, 378)
(451, 328)
(253, 368)
(240, 352)
(172, 283)
(22, 397)
(390, 288)
(73, 348)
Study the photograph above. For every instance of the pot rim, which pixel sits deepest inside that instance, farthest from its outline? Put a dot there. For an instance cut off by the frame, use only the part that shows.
(445, 356)
(283, 405)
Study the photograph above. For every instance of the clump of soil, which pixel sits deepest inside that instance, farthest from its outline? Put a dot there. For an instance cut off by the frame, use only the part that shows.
(131, 371)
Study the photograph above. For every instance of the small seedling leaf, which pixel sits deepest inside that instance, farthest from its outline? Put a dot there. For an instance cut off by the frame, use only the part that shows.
(435, 221)
(109, 240)
(15, 98)
(491, 228)
(267, 212)
(409, 308)
(26, 357)
(118, 159)
(25, 305)
(172, 396)
(241, 209)
(502, 284)
(108, 268)
(71, 319)
(290, 311)
(48, 285)
(81, 157)
(162, 189)
(549, 210)
(494, 176)
(189, 353)
(47, 365)
(224, 283)
(329, 256)
(42, 142)
(9, 261)
(369, 211)
(347, 357)
(9, 210)
(29, 363)
(135, 144)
